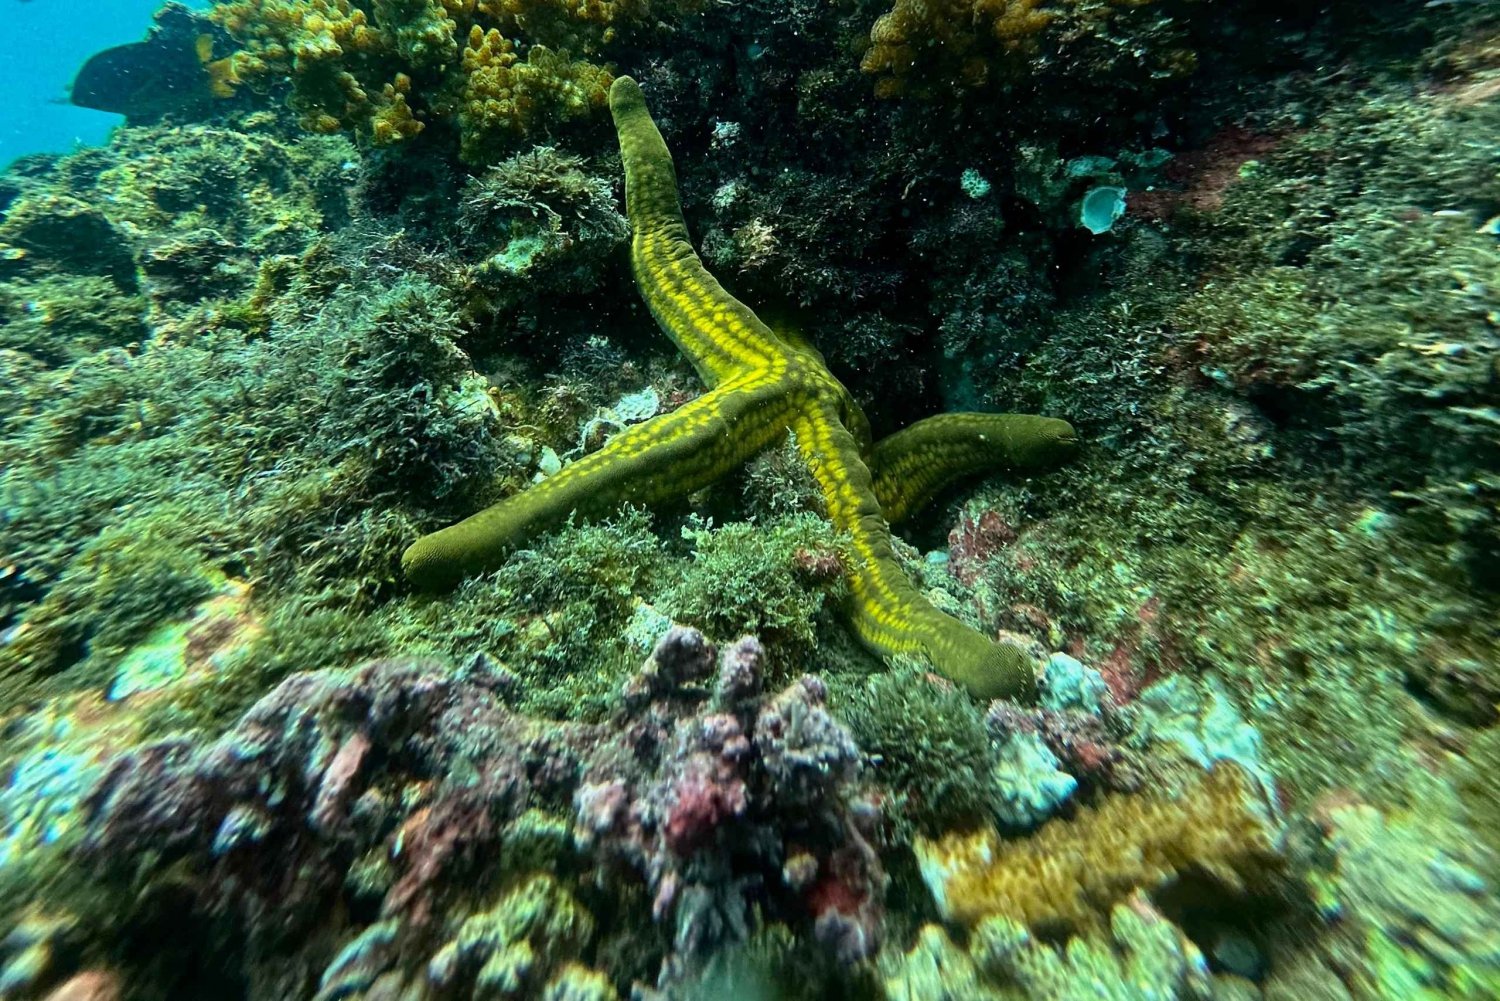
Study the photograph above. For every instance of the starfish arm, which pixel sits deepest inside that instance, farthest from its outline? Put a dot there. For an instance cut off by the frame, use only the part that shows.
(666, 457)
(887, 613)
(914, 465)
(717, 332)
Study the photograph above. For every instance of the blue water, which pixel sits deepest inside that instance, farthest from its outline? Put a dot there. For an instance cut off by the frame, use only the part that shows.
(42, 44)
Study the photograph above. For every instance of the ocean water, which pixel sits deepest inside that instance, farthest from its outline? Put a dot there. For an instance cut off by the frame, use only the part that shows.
(42, 45)
(896, 500)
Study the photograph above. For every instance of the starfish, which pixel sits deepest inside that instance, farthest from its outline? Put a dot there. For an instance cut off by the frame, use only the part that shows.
(762, 385)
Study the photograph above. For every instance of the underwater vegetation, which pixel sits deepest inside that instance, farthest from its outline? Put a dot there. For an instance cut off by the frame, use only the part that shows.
(677, 714)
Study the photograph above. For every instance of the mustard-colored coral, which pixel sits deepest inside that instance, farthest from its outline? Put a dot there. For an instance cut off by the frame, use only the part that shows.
(393, 121)
(934, 43)
(550, 17)
(384, 69)
(423, 32)
(899, 36)
(1070, 873)
(1014, 23)
(504, 96)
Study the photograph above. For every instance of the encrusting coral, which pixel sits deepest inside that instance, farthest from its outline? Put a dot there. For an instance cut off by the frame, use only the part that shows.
(1143, 958)
(762, 385)
(1139, 956)
(1410, 916)
(1070, 872)
(463, 830)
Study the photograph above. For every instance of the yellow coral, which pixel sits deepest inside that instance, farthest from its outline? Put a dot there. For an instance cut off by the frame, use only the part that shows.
(393, 121)
(310, 41)
(603, 13)
(1070, 873)
(384, 68)
(504, 96)
(935, 43)
(421, 31)
(916, 29)
(1014, 22)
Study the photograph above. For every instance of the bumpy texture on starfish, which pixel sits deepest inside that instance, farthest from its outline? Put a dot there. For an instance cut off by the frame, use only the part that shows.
(763, 384)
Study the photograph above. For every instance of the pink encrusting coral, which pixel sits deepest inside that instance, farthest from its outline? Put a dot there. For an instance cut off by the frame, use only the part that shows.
(739, 777)
(394, 788)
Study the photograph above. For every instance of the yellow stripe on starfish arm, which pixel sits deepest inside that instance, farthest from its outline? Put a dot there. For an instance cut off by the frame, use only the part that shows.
(886, 612)
(666, 457)
(717, 332)
(913, 465)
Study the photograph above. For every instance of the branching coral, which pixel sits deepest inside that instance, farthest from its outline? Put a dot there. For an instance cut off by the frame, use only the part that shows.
(497, 69)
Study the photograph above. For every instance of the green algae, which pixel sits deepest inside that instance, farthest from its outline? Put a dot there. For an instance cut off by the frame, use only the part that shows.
(566, 602)
(760, 579)
(57, 319)
(927, 740)
(121, 585)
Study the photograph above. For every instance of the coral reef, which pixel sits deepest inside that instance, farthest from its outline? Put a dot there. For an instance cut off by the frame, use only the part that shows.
(391, 787)
(242, 367)
(934, 968)
(1237, 466)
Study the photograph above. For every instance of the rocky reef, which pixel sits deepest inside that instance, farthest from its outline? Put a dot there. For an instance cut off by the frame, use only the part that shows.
(251, 351)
